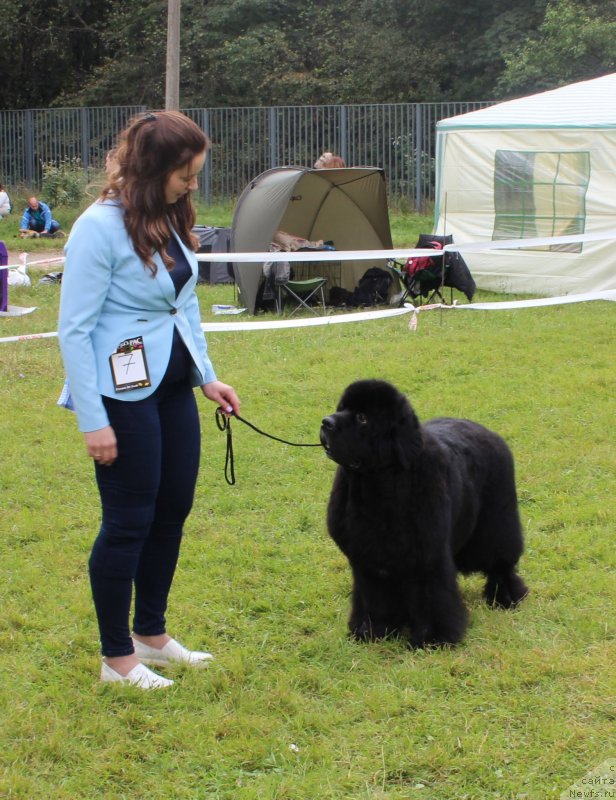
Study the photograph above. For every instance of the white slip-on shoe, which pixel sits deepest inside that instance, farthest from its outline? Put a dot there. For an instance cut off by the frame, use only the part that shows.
(139, 676)
(172, 653)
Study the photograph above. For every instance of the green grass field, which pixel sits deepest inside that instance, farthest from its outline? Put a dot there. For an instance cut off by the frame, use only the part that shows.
(292, 709)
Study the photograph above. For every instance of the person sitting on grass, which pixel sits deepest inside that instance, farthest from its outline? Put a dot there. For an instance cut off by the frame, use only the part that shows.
(37, 218)
(5, 203)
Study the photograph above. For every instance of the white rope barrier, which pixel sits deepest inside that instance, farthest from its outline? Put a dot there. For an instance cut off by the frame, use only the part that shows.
(355, 255)
(364, 316)
(27, 336)
(360, 316)
(508, 305)
(317, 255)
(520, 244)
(367, 255)
(24, 256)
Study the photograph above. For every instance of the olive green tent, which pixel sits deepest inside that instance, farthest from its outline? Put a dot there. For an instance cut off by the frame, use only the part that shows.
(345, 206)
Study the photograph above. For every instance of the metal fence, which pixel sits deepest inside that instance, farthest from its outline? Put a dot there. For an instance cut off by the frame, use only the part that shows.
(400, 138)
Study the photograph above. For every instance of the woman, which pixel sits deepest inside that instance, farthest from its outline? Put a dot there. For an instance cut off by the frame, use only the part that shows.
(133, 350)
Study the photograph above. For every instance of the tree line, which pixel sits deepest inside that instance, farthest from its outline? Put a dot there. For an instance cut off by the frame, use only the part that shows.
(62, 53)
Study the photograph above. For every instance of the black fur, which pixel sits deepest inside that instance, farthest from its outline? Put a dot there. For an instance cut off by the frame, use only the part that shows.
(411, 506)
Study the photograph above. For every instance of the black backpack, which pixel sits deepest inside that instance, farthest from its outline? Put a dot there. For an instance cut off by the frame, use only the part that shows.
(372, 288)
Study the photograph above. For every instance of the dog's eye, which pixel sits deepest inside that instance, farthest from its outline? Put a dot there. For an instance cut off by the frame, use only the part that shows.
(362, 418)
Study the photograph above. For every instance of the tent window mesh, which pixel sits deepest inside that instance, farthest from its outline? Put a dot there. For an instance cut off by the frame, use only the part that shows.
(540, 195)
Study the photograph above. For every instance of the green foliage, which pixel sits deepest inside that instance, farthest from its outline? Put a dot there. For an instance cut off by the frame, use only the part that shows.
(406, 150)
(63, 182)
(575, 41)
(132, 69)
(267, 52)
(291, 709)
(48, 48)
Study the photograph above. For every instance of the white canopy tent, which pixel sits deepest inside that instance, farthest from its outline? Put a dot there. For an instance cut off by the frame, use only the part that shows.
(537, 167)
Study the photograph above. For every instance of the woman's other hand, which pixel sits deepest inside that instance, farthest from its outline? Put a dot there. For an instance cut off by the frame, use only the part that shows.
(102, 445)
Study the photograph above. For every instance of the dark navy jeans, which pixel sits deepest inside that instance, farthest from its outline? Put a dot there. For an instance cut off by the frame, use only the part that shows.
(146, 495)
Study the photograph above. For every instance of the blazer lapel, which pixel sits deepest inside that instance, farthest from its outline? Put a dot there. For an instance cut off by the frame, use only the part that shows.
(163, 279)
(194, 268)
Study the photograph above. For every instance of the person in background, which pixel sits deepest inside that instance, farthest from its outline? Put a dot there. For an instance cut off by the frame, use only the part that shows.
(111, 161)
(329, 160)
(133, 349)
(37, 218)
(5, 203)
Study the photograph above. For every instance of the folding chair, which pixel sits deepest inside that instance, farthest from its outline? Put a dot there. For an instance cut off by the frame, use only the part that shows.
(427, 283)
(396, 267)
(431, 274)
(301, 292)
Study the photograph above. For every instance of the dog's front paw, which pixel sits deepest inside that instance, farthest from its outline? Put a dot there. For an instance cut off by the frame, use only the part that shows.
(369, 631)
(505, 591)
(428, 637)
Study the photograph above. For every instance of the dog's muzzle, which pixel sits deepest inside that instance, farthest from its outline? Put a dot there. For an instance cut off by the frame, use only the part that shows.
(328, 424)
(329, 427)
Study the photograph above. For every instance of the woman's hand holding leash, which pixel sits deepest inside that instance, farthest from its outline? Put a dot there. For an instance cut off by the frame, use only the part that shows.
(224, 395)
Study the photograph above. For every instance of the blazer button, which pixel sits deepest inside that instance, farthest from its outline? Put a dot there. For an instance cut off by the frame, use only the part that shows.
(173, 311)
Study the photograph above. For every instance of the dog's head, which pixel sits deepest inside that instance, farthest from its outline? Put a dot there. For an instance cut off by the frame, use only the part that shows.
(374, 428)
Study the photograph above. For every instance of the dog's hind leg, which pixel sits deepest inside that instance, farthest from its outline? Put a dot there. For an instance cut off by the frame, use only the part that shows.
(495, 549)
(504, 587)
(436, 608)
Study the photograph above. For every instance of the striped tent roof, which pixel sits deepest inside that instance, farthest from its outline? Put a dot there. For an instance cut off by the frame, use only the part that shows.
(587, 104)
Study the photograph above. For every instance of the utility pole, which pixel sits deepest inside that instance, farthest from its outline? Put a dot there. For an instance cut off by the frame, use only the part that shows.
(172, 82)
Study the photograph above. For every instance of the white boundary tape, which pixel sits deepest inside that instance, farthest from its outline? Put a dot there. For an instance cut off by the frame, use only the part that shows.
(311, 322)
(24, 260)
(520, 244)
(28, 336)
(364, 316)
(317, 255)
(358, 255)
(508, 305)
(367, 255)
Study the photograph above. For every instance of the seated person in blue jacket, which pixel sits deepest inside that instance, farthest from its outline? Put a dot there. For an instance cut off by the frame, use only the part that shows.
(37, 218)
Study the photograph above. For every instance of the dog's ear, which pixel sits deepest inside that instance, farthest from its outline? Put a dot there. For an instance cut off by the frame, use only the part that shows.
(408, 439)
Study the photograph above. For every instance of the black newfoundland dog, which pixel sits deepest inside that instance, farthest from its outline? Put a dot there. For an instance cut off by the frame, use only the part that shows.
(411, 506)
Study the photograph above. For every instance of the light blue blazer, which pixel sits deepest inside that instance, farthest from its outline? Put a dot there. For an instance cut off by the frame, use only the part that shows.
(109, 296)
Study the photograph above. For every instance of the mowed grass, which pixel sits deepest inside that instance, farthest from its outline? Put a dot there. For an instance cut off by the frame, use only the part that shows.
(292, 709)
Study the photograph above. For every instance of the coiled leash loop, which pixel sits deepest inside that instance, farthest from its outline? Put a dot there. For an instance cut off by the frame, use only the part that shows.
(223, 421)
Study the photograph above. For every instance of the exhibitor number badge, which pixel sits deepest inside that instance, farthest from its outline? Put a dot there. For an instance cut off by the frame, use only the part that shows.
(129, 368)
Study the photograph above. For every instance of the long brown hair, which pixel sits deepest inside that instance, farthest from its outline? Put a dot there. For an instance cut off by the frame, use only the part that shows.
(149, 149)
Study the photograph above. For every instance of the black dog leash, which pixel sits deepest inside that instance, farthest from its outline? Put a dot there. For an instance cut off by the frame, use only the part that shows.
(223, 421)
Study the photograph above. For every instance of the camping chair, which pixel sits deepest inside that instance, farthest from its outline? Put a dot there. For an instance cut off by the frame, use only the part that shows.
(428, 275)
(301, 292)
(426, 282)
(429, 283)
